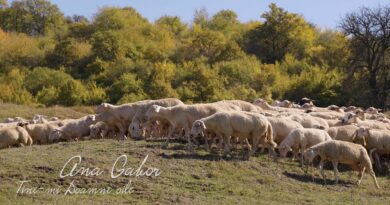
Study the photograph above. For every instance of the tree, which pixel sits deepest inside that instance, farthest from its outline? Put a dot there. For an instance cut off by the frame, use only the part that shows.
(281, 33)
(33, 17)
(369, 30)
(3, 4)
(172, 24)
(201, 17)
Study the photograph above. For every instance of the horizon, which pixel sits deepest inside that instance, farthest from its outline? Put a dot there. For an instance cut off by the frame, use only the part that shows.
(325, 14)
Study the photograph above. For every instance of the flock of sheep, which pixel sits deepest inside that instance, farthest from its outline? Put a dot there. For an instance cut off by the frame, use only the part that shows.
(347, 135)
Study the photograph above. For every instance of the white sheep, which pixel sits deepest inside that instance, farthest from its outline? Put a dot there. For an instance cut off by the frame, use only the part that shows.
(139, 119)
(341, 152)
(182, 116)
(73, 130)
(377, 141)
(343, 133)
(282, 127)
(244, 125)
(308, 121)
(14, 136)
(351, 117)
(300, 139)
(40, 132)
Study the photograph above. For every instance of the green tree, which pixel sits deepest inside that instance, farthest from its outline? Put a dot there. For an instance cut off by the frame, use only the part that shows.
(73, 92)
(172, 23)
(281, 33)
(33, 17)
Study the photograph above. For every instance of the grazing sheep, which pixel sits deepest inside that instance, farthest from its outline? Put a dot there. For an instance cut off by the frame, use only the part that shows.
(14, 136)
(244, 106)
(40, 132)
(341, 152)
(343, 133)
(282, 127)
(300, 139)
(372, 110)
(99, 130)
(73, 130)
(284, 103)
(377, 141)
(39, 119)
(308, 121)
(351, 117)
(182, 116)
(139, 119)
(120, 116)
(244, 125)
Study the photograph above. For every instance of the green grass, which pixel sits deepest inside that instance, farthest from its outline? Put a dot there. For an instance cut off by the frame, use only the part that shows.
(199, 178)
(12, 110)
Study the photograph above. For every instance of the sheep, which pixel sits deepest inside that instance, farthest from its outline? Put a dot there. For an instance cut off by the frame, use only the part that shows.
(139, 118)
(122, 115)
(182, 116)
(372, 110)
(377, 141)
(243, 105)
(326, 114)
(282, 127)
(38, 119)
(284, 103)
(300, 139)
(11, 136)
(343, 133)
(351, 117)
(40, 132)
(74, 129)
(335, 108)
(244, 125)
(308, 121)
(99, 130)
(350, 109)
(264, 105)
(306, 100)
(341, 152)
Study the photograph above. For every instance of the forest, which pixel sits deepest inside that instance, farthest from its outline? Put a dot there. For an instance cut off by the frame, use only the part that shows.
(118, 56)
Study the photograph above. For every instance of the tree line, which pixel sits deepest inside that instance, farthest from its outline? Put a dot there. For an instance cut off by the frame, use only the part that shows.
(119, 56)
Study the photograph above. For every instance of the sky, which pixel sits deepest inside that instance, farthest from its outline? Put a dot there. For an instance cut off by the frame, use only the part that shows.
(324, 13)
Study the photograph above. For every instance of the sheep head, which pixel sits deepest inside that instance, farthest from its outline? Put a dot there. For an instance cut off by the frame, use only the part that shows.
(198, 127)
(349, 117)
(135, 130)
(309, 156)
(283, 149)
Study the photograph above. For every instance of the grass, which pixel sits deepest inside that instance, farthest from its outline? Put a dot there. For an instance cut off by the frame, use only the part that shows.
(12, 110)
(198, 178)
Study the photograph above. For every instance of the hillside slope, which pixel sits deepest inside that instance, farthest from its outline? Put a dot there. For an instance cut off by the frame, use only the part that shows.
(198, 178)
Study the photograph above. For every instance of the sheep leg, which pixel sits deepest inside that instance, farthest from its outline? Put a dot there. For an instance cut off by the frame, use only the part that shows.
(253, 148)
(360, 176)
(321, 166)
(226, 140)
(206, 145)
(372, 173)
(378, 162)
(371, 151)
(336, 171)
(171, 130)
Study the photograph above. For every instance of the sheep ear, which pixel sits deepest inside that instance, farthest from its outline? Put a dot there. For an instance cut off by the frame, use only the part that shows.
(203, 125)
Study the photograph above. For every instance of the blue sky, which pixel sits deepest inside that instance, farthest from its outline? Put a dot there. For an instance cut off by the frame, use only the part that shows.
(324, 13)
